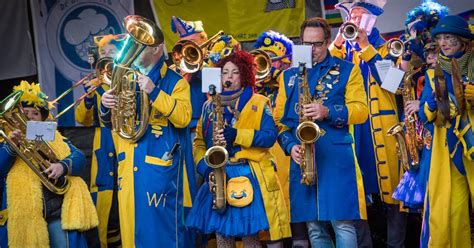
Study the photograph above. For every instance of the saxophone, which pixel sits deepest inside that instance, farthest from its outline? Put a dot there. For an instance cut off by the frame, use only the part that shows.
(409, 141)
(307, 131)
(217, 156)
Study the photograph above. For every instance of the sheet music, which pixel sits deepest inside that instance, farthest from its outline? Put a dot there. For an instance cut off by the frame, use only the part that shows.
(41, 130)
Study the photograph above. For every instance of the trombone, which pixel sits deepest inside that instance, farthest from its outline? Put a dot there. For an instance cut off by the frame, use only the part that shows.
(189, 56)
(103, 71)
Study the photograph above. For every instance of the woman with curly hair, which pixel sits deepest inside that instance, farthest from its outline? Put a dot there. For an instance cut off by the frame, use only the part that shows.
(254, 198)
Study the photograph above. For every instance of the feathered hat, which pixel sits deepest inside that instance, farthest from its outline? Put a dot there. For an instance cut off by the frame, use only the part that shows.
(33, 97)
(425, 16)
(185, 28)
(222, 48)
(276, 43)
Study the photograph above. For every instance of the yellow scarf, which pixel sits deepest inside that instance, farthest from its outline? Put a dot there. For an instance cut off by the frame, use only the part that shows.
(26, 225)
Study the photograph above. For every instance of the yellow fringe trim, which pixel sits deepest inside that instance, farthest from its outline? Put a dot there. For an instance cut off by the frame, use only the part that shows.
(26, 225)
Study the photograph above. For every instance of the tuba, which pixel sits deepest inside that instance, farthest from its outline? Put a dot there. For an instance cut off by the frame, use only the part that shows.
(189, 56)
(217, 156)
(349, 31)
(125, 120)
(307, 131)
(37, 154)
(395, 47)
(409, 141)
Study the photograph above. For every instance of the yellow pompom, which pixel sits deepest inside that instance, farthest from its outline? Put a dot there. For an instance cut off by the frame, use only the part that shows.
(32, 94)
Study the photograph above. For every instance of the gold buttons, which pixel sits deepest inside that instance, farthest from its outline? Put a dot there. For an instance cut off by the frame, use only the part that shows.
(135, 168)
(111, 174)
(111, 154)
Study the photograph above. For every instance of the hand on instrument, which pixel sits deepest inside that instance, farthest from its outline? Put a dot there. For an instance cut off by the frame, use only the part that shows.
(15, 136)
(109, 100)
(315, 111)
(145, 83)
(90, 86)
(220, 137)
(469, 91)
(296, 153)
(339, 41)
(54, 171)
(412, 107)
(362, 38)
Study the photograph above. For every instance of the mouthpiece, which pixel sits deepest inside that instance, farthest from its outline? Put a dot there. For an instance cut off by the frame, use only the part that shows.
(227, 84)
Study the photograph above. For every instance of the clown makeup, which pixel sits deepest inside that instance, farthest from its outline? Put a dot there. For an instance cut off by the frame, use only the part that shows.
(231, 73)
(449, 43)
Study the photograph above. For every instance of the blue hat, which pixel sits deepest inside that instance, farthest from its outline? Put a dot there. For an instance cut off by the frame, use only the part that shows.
(453, 25)
(429, 12)
(372, 8)
(185, 28)
(276, 43)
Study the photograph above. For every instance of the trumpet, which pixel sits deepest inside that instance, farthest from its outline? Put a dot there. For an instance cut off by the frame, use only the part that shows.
(349, 31)
(395, 47)
(263, 63)
(189, 56)
(103, 72)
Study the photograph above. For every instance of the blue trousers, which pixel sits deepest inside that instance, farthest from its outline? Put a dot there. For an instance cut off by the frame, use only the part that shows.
(345, 234)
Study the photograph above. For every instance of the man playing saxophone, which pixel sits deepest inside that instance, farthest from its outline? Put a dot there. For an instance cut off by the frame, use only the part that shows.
(336, 101)
(154, 184)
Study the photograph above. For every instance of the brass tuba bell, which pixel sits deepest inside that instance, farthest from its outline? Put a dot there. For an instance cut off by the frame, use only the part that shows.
(36, 154)
(125, 120)
(263, 64)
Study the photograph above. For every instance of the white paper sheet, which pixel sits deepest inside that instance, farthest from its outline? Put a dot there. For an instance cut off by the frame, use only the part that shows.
(367, 22)
(41, 130)
(302, 53)
(392, 80)
(211, 76)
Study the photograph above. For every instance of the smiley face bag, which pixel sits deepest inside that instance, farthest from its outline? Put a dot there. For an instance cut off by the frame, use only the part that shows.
(239, 192)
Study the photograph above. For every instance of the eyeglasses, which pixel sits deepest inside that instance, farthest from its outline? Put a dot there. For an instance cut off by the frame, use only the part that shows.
(314, 44)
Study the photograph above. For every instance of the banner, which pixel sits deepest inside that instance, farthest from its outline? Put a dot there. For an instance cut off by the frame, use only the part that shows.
(330, 13)
(63, 31)
(243, 19)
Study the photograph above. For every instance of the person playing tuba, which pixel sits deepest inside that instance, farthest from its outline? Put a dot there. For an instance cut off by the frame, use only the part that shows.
(154, 186)
(36, 216)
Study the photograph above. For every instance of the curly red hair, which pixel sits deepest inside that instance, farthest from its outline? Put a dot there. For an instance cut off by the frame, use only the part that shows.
(244, 61)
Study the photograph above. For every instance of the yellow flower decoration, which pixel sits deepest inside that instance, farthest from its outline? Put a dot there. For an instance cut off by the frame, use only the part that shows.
(32, 94)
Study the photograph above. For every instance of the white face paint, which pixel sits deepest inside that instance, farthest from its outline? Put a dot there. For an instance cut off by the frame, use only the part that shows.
(449, 43)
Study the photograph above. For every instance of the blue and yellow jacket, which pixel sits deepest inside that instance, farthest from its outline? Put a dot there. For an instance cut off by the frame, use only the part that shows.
(450, 145)
(339, 85)
(104, 160)
(256, 134)
(153, 181)
(23, 198)
(382, 159)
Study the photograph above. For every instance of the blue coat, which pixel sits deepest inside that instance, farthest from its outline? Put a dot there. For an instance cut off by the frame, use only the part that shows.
(154, 186)
(339, 193)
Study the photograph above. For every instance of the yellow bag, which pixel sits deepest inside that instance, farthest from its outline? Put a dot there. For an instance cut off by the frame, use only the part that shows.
(239, 192)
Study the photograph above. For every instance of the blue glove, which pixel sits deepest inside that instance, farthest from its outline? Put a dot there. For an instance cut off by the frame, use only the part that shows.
(229, 134)
(431, 101)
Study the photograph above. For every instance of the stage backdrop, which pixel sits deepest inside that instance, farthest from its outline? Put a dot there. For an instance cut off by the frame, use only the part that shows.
(63, 32)
(243, 19)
